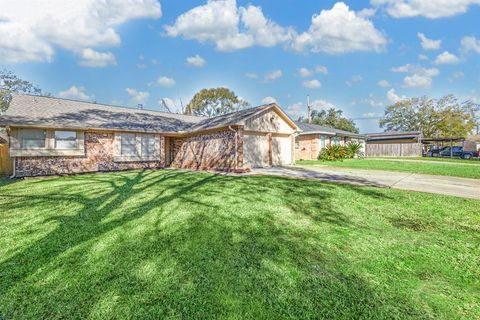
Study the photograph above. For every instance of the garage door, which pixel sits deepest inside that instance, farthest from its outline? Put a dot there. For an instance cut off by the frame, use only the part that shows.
(255, 150)
(281, 150)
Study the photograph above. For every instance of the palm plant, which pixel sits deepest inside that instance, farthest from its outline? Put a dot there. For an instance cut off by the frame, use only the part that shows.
(354, 150)
(333, 153)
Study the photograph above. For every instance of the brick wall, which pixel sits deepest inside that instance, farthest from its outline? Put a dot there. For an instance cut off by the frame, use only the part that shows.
(307, 147)
(212, 151)
(98, 157)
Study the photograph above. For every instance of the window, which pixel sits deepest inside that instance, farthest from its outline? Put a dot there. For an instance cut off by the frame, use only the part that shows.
(32, 138)
(128, 144)
(65, 140)
(336, 141)
(297, 142)
(148, 145)
(322, 142)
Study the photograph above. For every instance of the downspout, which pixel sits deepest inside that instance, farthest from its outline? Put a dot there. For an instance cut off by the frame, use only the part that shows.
(14, 171)
(14, 166)
(236, 146)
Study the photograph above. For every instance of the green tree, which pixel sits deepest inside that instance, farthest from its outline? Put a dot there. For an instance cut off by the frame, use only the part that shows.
(333, 118)
(444, 117)
(214, 102)
(10, 83)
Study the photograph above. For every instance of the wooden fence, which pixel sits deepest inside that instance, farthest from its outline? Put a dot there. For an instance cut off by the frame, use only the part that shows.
(6, 165)
(394, 150)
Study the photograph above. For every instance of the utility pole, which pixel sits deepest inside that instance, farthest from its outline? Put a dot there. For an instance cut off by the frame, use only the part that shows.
(309, 110)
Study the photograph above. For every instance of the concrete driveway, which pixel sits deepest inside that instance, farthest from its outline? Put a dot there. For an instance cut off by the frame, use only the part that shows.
(460, 187)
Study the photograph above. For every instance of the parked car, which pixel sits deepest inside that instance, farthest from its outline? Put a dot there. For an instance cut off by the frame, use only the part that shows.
(455, 151)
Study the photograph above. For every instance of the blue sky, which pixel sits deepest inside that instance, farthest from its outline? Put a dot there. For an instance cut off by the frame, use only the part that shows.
(359, 56)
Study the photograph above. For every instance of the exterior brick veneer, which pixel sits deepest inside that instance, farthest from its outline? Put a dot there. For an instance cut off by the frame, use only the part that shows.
(212, 151)
(98, 157)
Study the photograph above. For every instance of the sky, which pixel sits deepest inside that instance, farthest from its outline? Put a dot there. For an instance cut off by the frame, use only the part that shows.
(358, 56)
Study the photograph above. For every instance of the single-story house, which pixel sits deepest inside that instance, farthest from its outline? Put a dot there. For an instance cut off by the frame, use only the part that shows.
(394, 144)
(312, 138)
(50, 136)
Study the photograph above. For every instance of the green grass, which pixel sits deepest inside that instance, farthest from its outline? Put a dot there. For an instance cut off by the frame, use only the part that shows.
(456, 160)
(443, 169)
(181, 245)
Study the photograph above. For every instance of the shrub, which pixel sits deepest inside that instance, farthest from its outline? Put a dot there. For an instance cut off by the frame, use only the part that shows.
(333, 153)
(354, 150)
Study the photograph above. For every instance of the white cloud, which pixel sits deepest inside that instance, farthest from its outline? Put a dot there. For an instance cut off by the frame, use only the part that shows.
(321, 69)
(458, 75)
(470, 44)
(251, 75)
(196, 61)
(371, 102)
(92, 58)
(322, 105)
(269, 100)
(393, 97)
(419, 77)
(165, 81)
(304, 72)
(383, 84)
(422, 57)
(354, 79)
(137, 97)
(367, 12)
(429, 44)
(446, 58)
(372, 115)
(312, 84)
(427, 8)
(30, 30)
(228, 26)
(76, 93)
(296, 110)
(273, 75)
(455, 76)
(417, 81)
(340, 30)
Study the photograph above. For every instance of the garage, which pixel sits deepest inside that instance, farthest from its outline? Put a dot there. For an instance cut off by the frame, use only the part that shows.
(256, 150)
(267, 139)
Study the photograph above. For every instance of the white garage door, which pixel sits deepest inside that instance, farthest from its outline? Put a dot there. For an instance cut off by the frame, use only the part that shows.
(281, 150)
(255, 150)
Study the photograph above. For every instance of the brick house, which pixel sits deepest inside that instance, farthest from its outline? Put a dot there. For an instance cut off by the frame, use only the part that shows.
(49, 136)
(312, 138)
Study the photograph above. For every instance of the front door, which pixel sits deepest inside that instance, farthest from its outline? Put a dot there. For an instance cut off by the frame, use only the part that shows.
(169, 151)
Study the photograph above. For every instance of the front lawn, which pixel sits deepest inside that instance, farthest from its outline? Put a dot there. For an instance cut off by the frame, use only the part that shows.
(438, 159)
(444, 169)
(171, 244)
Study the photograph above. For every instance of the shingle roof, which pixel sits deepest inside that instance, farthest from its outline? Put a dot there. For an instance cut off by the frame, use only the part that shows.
(63, 113)
(315, 128)
(229, 118)
(28, 110)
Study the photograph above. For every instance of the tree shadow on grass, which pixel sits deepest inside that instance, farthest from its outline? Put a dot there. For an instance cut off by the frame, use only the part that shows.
(231, 254)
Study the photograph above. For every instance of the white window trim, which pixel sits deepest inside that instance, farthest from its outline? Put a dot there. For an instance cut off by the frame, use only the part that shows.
(118, 157)
(49, 150)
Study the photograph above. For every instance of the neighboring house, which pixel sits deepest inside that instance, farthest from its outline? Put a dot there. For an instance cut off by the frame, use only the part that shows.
(394, 144)
(59, 136)
(314, 138)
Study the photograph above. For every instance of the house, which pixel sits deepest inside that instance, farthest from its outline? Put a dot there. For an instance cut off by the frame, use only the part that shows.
(314, 138)
(394, 144)
(50, 136)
